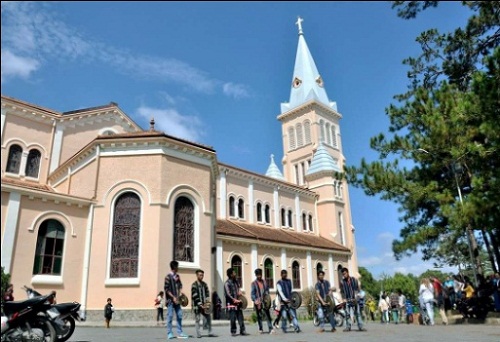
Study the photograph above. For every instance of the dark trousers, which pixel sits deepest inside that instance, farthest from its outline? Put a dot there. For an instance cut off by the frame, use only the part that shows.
(159, 314)
(260, 314)
(236, 314)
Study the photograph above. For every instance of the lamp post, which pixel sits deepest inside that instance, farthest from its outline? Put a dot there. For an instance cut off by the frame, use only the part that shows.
(471, 241)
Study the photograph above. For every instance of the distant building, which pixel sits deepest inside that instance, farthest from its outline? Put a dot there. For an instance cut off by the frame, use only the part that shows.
(93, 206)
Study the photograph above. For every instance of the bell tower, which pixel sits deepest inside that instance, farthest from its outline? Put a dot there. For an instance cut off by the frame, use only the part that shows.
(312, 148)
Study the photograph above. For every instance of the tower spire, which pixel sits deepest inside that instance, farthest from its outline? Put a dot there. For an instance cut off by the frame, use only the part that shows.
(307, 83)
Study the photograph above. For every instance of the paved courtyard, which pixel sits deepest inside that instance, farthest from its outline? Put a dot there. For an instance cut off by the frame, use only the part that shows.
(376, 332)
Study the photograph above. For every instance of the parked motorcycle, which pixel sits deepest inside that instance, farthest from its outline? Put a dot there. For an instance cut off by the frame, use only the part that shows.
(21, 322)
(62, 316)
(338, 314)
(476, 307)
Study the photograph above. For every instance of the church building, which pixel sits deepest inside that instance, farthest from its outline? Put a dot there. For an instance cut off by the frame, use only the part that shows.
(94, 206)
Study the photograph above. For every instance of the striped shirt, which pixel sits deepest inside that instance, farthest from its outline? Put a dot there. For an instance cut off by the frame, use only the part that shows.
(173, 286)
(349, 288)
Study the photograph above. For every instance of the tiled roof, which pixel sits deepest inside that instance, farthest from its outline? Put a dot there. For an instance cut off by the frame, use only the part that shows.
(26, 184)
(257, 232)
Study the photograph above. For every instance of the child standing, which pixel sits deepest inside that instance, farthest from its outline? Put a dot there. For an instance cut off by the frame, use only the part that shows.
(409, 311)
(108, 312)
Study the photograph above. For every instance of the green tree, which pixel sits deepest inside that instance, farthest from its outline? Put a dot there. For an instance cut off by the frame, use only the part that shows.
(368, 283)
(441, 163)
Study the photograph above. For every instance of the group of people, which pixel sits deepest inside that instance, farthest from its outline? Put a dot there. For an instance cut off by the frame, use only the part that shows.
(456, 292)
(200, 295)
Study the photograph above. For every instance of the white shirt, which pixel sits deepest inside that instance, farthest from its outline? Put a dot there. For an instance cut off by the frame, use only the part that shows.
(427, 293)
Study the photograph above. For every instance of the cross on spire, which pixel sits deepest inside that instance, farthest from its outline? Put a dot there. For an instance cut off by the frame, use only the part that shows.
(299, 24)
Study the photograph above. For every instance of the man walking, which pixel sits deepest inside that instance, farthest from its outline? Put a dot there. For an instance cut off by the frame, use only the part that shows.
(233, 304)
(200, 295)
(323, 290)
(350, 289)
(284, 293)
(173, 289)
(259, 290)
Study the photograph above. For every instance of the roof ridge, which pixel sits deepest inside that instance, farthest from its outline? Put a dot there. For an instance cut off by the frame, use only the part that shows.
(246, 230)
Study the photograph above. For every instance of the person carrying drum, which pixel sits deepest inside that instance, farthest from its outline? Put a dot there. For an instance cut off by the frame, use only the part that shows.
(285, 295)
(323, 290)
(260, 292)
(200, 299)
(233, 304)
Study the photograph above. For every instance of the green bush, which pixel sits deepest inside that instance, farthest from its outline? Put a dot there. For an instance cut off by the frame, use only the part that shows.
(309, 300)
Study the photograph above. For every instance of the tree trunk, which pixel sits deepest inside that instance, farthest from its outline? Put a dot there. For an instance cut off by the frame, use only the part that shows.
(495, 244)
(476, 261)
(490, 252)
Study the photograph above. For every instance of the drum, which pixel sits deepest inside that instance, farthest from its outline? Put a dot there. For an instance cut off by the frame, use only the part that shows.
(296, 300)
(183, 300)
(244, 302)
(266, 302)
(329, 303)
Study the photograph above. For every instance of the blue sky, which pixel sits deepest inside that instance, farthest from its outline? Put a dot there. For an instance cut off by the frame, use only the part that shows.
(205, 70)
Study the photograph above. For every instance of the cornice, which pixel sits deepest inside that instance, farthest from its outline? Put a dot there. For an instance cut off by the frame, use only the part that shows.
(304, 108)
(264, 180)
(46, 196)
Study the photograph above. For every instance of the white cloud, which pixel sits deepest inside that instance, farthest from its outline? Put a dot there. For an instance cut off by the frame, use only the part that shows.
(370, 261)
(173, 123)
(236, 90)
(17, 66)
(34, 31)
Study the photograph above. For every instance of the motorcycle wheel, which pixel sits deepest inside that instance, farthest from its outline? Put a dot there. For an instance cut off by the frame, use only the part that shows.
(315, 320)
(65, 331)
(339, 319)
(46, 326)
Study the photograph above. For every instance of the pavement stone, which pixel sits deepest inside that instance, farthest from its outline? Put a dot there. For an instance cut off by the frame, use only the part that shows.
(487, 331)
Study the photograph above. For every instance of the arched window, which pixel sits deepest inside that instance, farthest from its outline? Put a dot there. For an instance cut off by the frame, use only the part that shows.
(291, 138)
(334, 136)
(33, 163)
(184, 230)
(328, 134)
(290, 220)
(283, 217)
(237, 267)
(296, 275)
(269, 273)
(14, 159)
(319, 267)
(49, 248)
(341, 228)
(259, 212)
(304, 222)
(322, 131)
(125, 242)
(311, 223)
(307, 131)
(267, 214)
(241, 208)
(300, 140)
(231, 207)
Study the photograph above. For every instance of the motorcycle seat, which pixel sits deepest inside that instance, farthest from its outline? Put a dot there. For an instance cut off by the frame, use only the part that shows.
(16, 306)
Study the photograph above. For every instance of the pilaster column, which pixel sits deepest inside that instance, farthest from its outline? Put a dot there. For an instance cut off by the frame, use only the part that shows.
(309, 269)
(9, 235)
(251, 205)
(223, 195)
(276, 205)
(57, 147)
